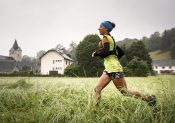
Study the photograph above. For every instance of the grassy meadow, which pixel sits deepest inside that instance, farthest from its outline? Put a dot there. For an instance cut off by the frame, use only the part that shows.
(69, 100)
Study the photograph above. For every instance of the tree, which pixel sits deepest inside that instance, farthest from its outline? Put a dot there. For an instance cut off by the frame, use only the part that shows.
(168, 39)
(145, 40)
(138, 49)
(72, 45)
(36, 64)
(154, 42)
(72, 50)
(90, 66)
(40, 53)
(26, 63)
(123, 60)
(165, 41)
(26, 60)
(137, 67)
(61, 48)
(173, 50)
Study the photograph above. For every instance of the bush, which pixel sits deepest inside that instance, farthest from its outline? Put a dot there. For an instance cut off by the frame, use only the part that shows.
(137, 67)
(73, 70)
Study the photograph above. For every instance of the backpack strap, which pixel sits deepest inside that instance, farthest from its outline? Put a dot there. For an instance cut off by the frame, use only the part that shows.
(114, 42)
(117, 50)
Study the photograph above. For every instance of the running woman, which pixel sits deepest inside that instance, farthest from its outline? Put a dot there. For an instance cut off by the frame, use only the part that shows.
(113, 69)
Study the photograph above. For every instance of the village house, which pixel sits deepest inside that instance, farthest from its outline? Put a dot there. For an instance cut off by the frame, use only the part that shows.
(164, 66)
(54, 62)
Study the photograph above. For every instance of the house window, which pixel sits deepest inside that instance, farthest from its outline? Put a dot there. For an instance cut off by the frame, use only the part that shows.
(58, 60)
(66, 62)
(170, 67)
(156, 67)
(163, 67)
(53, 61)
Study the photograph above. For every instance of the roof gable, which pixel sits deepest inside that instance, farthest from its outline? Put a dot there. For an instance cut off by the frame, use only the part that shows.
(62, 54)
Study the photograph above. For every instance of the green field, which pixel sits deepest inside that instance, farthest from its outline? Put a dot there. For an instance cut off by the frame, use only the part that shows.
(59, 100)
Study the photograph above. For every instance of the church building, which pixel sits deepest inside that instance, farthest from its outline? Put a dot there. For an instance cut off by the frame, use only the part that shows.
(10, 64)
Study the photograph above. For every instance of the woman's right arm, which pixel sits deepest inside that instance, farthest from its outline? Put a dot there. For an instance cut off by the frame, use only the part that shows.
(104, 50)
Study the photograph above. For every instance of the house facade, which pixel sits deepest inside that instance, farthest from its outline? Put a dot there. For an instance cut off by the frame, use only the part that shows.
(164, 66)
(54, 62)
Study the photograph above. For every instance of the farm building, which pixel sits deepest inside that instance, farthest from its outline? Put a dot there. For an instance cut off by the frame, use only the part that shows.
(164, 66)
(8, 64)
(54, 62)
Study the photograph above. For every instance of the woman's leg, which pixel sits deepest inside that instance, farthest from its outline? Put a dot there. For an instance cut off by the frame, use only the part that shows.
(121, 85)
(103, 81)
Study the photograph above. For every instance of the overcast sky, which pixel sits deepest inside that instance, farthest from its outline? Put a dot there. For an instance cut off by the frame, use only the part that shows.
(42, 24)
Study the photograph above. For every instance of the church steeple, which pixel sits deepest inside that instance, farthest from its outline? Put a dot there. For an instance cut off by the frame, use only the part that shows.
(16, 51)
(15, 45)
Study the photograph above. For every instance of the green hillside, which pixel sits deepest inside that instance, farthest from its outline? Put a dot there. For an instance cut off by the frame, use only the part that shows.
(160, 55)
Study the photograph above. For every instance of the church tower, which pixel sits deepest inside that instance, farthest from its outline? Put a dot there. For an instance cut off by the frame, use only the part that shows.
(16, 52)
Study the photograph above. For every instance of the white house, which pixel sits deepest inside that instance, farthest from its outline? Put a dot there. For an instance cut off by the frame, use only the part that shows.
(54, 62)
(164, 66)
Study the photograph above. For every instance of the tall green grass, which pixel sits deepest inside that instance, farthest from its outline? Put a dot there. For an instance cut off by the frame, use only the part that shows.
(62, 100)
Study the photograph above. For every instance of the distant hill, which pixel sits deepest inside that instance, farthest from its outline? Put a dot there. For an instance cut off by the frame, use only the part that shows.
(160, 45)
(160, 55)
(127, 42)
